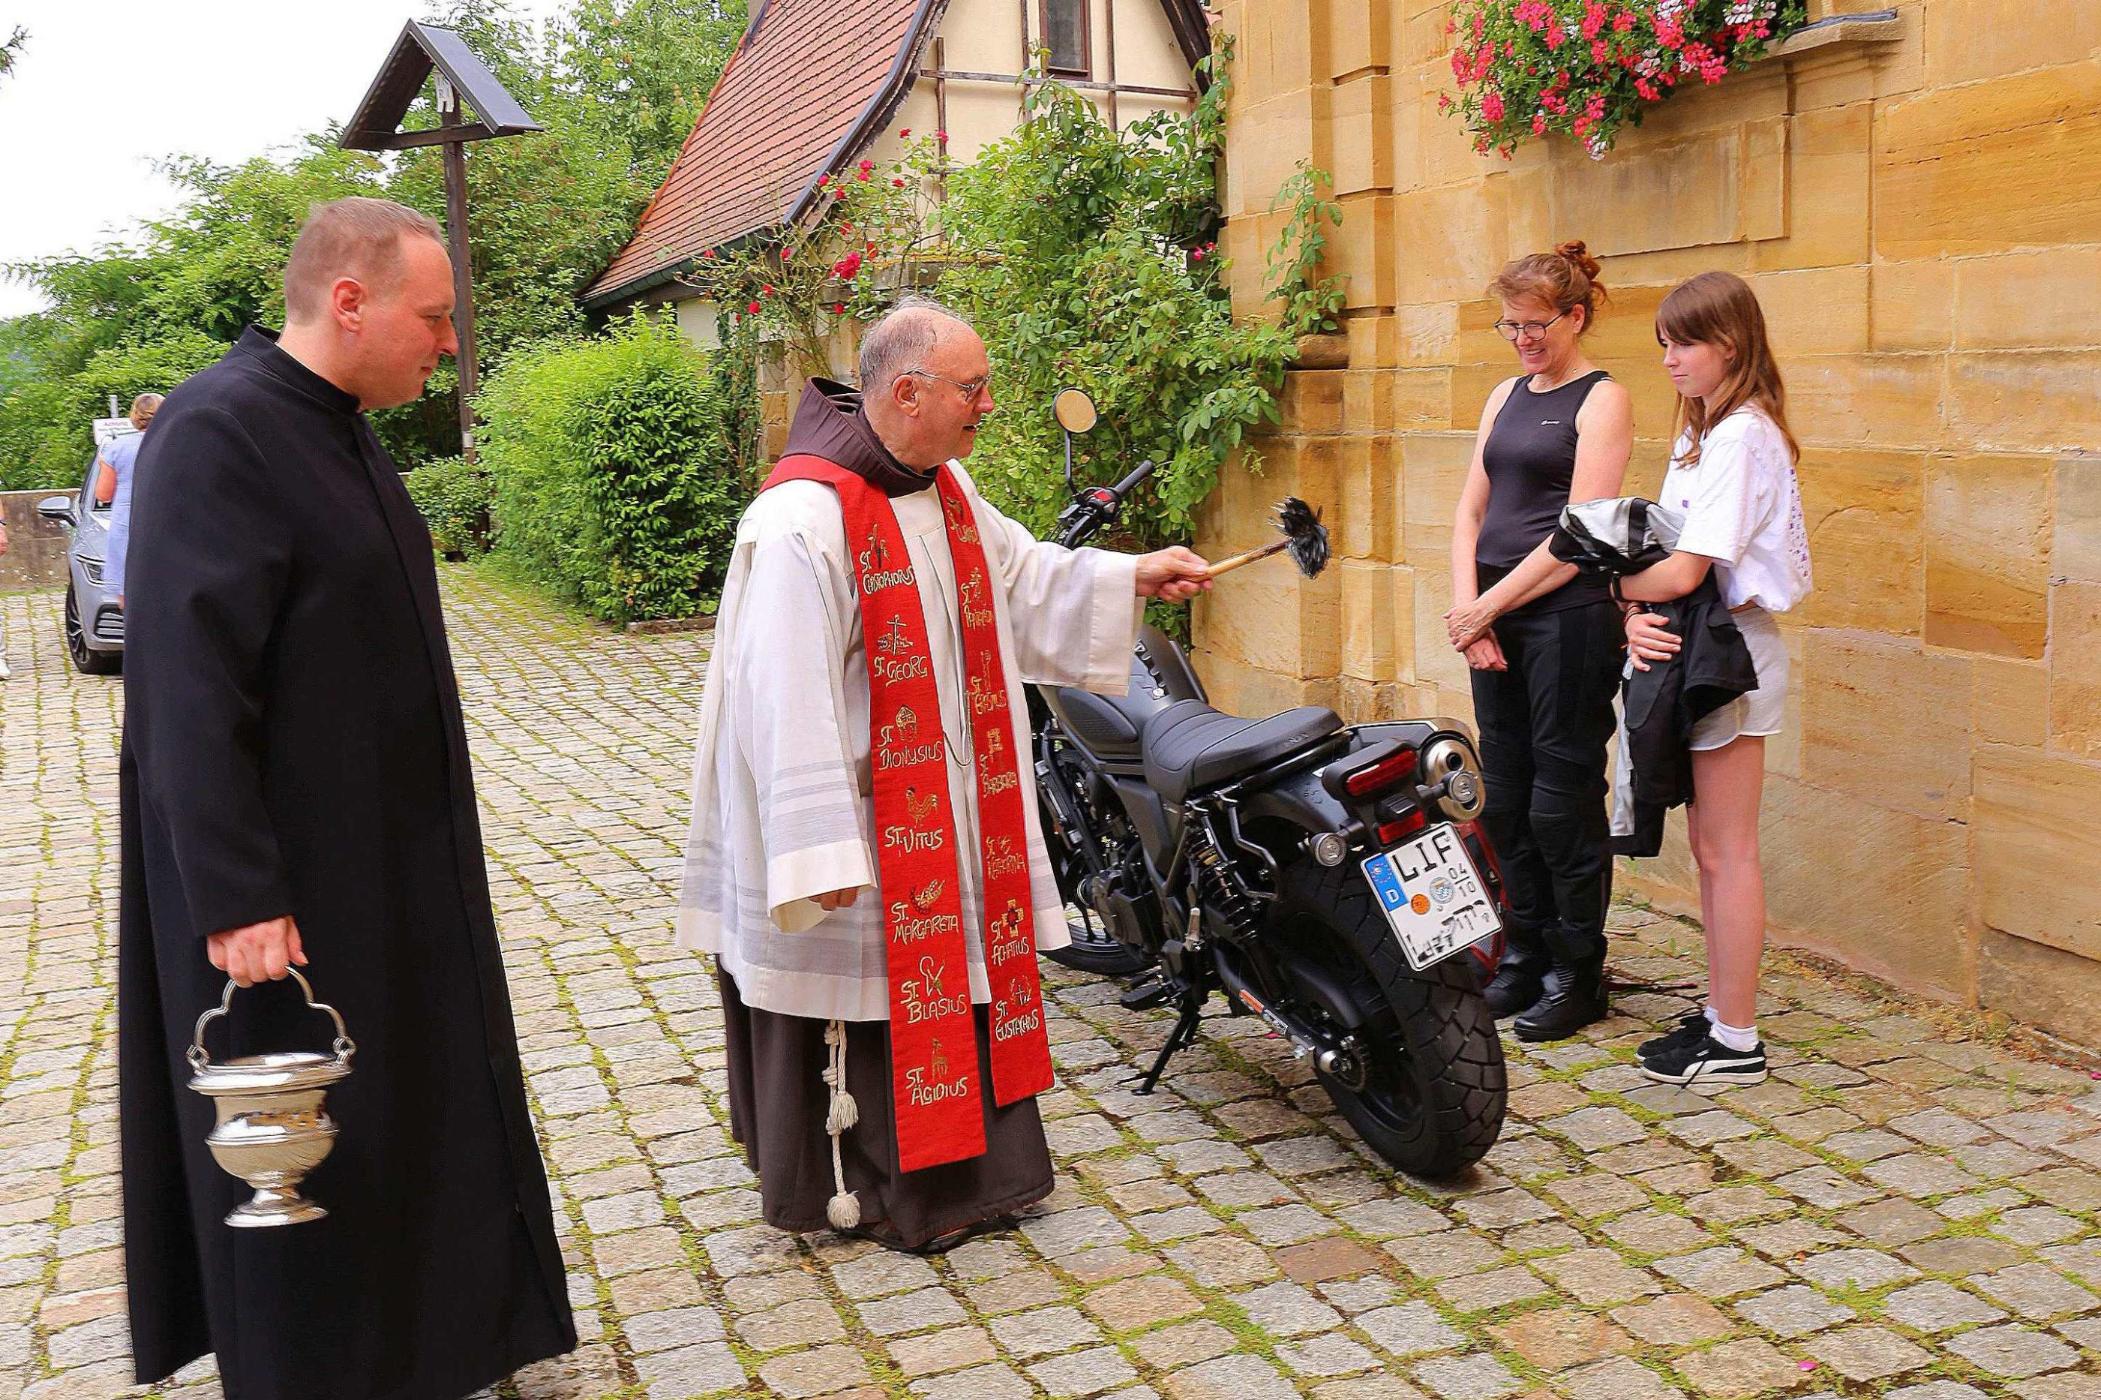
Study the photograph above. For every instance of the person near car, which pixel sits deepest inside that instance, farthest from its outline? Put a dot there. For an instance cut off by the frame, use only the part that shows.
(1732, 477)
(1543, 642)
(865, 862)
(296, 793)
(113, 489)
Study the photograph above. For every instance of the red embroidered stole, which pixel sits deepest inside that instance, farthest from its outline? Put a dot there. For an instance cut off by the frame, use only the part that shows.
(933, 1032)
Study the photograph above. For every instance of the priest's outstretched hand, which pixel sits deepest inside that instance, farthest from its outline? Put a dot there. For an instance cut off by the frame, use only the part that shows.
(1173, 575)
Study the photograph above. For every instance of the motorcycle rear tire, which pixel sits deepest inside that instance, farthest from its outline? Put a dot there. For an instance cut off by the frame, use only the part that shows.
(1437, 1091)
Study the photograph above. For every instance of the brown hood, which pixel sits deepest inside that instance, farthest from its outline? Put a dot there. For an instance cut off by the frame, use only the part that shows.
(829, 423)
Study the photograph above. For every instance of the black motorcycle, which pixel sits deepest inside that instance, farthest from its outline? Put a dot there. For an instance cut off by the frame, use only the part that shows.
(1330, 879)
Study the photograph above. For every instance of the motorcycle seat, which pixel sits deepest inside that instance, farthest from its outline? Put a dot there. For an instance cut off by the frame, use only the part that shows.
(1189, 745)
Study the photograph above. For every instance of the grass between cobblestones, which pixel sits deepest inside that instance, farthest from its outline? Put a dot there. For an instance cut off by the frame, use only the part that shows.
(1910, 1208)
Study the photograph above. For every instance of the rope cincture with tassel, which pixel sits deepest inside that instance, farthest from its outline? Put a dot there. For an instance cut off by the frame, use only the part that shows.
(844, 1208)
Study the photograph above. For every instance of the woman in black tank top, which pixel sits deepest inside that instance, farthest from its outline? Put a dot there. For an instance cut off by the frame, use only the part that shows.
(1543, 643)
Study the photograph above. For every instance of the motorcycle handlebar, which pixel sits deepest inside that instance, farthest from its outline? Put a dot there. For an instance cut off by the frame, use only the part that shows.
(1097, 506)
(1123, 488)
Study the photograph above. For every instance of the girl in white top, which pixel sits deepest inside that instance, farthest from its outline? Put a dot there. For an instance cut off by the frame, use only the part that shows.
(1732, 477)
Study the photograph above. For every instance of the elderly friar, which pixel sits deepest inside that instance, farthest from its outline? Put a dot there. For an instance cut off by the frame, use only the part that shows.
(863, 798)
(295, 790)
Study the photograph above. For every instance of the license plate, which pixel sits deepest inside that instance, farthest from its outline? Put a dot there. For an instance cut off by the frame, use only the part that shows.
(1432, 895)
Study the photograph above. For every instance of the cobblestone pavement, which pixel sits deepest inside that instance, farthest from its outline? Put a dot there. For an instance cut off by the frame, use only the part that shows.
(1896, 1213)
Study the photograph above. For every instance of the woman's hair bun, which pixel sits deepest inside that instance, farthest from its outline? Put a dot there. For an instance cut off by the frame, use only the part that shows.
(1579, 257)
(1564, 278)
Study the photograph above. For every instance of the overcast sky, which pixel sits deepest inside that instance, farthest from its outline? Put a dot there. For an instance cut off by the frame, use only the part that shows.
(106, 87)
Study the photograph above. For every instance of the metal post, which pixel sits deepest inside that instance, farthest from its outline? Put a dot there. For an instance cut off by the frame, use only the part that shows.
(940, 120)
(462, 265)
(1109, 18)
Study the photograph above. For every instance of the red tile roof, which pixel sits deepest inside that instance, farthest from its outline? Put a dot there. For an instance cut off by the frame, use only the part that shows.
(810, 83)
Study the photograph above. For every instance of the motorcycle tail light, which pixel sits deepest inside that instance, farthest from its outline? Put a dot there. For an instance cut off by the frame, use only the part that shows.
(1382, 775)
(1393, 831)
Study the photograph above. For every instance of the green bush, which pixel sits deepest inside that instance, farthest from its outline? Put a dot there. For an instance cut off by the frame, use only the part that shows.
(615, 470)
(47, 426)
(454, 499)
(1091, 265)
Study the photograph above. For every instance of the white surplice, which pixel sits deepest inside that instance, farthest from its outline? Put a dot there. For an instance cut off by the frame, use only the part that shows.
(782, 805)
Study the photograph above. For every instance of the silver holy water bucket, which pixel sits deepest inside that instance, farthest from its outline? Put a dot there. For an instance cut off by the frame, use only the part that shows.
(272, 1128)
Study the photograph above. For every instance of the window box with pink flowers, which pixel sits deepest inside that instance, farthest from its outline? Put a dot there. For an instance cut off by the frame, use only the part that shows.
(1587, 68)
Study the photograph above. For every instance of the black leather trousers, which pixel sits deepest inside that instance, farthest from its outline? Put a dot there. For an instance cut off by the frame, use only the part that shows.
(1545, 724)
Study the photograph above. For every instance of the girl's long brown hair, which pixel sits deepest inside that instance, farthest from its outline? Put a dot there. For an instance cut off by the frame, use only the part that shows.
(1719, 308)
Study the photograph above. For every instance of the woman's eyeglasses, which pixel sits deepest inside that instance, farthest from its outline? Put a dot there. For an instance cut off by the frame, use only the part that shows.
(1514, 331)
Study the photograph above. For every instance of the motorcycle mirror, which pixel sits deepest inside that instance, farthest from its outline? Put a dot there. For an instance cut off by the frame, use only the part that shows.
(1075, 414)
(1074, 411)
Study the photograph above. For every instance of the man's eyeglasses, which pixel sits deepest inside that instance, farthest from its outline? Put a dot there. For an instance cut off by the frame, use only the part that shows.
(1513, 331)
(971, 387)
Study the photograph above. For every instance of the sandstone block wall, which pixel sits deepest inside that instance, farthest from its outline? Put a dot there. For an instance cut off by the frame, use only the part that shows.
(1920, 212)
(36, 549)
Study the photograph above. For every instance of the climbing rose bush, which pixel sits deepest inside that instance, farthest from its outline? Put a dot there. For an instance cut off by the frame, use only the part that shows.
(871, 232)
(1586, 68)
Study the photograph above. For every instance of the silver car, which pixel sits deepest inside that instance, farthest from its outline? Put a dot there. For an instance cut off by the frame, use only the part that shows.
(94, 622)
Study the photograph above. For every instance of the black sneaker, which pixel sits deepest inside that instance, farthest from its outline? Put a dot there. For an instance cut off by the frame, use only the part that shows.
(1706, 1063)
(1690, 1030)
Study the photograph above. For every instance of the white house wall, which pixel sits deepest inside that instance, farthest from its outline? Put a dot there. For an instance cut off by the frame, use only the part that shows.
(699, 322)
(984, 36)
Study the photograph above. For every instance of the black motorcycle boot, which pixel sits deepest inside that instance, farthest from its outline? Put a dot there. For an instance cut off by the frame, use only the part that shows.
(1574, 991)
(1518, 978)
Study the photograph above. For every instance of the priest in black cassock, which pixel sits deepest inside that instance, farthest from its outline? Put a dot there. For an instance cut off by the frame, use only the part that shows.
(296, 791)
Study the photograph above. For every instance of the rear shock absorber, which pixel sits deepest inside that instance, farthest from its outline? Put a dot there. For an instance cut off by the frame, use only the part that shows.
(1239, 917)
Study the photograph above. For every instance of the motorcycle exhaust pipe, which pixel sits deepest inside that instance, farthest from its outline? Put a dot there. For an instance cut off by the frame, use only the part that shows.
(1339, 1059)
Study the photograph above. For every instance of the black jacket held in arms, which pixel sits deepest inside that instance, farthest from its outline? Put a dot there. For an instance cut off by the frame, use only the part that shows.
(1659, 706)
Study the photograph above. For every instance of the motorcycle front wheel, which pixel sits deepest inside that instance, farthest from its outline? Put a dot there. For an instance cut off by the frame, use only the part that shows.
(1433, 1092)
(1094, 949)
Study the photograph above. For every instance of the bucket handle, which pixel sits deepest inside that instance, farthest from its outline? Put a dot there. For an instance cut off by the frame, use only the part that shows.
(344, 1047)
